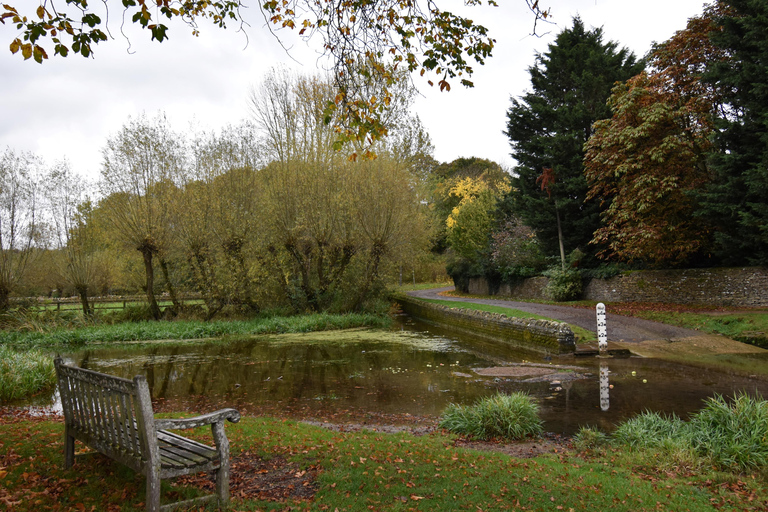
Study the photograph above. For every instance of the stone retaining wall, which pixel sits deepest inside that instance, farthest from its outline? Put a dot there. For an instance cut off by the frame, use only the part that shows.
(540, 335)
(743, 286)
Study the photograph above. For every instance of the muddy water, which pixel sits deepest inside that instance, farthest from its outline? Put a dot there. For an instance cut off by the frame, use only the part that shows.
(412, 371)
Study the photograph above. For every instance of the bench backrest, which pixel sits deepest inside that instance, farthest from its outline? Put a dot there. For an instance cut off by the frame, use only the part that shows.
(111, 414)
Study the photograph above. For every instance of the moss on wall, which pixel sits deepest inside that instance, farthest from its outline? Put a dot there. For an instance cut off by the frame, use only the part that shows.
(540, 335)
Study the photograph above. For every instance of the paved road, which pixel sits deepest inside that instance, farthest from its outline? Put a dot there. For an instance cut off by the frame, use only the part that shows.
(620, 328)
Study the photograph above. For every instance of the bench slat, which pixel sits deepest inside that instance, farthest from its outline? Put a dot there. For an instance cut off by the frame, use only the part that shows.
(178, 452)
(184, 443)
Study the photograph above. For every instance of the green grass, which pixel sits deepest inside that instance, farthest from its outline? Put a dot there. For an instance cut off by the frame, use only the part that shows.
(420, 286)
(513, 416)
(650, 430)
(733, 433)
(24, 373)
(735, 325)
(582, 335)
(730, 434)
(370, 470)
(188, 329)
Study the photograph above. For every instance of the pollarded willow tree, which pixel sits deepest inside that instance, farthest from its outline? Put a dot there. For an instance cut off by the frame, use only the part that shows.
(326, 215)
(412, 35)
(74, 235)
(216, 216)
(648, 160)
(20, 211)
(141, 170)
(548, 126)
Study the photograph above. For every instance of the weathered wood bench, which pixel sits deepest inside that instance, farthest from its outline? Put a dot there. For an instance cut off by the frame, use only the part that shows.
(114, 416)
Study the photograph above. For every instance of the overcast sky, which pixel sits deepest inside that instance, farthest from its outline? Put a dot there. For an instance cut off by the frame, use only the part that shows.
(68, 107)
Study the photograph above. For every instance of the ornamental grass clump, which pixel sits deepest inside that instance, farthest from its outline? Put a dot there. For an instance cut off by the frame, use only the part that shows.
(589, 438)
(24, 373)
(652, 430)
(733, 434)
(513, 416)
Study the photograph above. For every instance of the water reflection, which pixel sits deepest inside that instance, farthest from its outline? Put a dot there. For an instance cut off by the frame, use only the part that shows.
(415, 370)
(605, 399)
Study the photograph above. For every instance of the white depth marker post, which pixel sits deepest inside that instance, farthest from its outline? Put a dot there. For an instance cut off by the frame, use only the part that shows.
(602, 330)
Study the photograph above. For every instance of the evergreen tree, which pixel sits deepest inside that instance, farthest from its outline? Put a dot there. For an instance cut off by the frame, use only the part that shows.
(737, 200)
(547, 129)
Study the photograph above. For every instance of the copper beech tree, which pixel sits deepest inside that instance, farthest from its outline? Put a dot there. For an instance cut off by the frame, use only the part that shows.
(413, 35)
(646, 161)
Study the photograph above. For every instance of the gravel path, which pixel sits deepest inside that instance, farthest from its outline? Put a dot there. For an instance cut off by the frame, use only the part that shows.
(620, 328)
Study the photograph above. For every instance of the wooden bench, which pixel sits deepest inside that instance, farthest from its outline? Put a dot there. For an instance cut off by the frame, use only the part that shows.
(114, 416)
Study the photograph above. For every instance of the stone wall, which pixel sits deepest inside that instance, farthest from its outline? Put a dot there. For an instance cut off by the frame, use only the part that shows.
(711, 287)
(540, 335)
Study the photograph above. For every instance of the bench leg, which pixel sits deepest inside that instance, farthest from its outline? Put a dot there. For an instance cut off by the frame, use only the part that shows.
(222, 475)
(222, 484)
(153, 491)
(69, 450)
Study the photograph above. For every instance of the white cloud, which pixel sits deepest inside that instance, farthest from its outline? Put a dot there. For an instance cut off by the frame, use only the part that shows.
(68, 107)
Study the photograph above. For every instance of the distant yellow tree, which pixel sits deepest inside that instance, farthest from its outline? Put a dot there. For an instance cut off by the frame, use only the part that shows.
(470, 222)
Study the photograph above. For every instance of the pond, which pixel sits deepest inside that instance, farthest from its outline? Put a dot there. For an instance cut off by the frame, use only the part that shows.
(404, 375)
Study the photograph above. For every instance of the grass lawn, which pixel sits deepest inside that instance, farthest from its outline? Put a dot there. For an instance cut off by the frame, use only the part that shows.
(329, 470)
(582, 335)
(45, 336)
(736, 325)
(421, 286)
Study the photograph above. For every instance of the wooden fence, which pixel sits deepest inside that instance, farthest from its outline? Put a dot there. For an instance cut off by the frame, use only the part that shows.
(98, 303)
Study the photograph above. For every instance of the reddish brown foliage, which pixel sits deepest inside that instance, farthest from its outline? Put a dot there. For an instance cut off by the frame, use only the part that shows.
(644, 161)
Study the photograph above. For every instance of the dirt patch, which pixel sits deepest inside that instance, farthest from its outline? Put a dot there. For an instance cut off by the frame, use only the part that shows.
(694, 345)
(255, 478)
(525, 449)
(416, 430)
(539, 372)
(512, 371)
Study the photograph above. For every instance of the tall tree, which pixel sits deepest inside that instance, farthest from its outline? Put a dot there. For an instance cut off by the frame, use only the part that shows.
(326, 215)
(471, 221)
(20, 209)
(548, 126)
(445, 177)
(649, 158)
(737, 199)
(216, 217)
(141, 169)
(74, 237)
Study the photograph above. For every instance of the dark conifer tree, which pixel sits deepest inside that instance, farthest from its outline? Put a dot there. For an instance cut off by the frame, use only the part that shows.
(548, 126)
(737, 200)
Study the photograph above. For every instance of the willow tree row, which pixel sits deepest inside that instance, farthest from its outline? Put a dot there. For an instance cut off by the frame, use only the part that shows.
(267, 213)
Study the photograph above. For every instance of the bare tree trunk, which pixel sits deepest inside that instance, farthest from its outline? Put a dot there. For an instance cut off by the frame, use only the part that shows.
(82, 291)
(4, 302)
(154, 309)
(169, 285)
(374, 260)
(560, 238)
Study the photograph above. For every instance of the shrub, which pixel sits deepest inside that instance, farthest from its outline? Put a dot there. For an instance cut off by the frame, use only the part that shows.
(513, 416)
(604, 271)
(515, 251)
(564, 285)
(24, 373)
(650, 430)
(733, 434)
(588, 438)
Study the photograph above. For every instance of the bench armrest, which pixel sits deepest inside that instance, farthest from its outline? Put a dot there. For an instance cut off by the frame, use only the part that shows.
(198, 421)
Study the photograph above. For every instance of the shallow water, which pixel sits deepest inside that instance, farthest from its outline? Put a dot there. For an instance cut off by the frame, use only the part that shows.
(413, 370)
